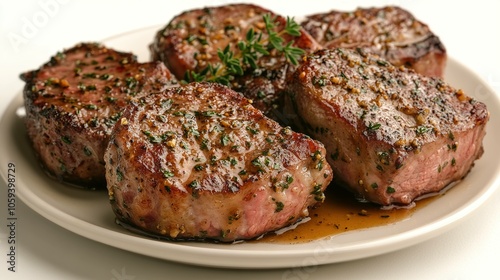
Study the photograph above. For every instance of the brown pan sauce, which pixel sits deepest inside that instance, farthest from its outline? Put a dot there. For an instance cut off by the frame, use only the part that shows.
(342, 212)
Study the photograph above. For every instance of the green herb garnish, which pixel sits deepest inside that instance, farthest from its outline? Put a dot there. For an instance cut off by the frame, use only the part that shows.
(373, 126)
(236, 63)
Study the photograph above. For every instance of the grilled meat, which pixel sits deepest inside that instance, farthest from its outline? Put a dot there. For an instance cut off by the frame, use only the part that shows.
(200, 162)
(191, 40)
(73, 101)
(391, 134)
(390, 32)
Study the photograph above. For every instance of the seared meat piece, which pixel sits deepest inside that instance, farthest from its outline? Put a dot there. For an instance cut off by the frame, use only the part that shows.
(191, 40)
(391, 32)
(200, 162)
(391, 134)
(73, 101)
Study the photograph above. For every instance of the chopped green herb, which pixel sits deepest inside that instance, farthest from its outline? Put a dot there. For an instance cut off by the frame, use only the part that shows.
(131, 82)
(318, 193)
(316, 155)
(209, 114)
(383, 157)
(343, 75)
(252, 130)
(66, 139)
(198, 167)
(195, 186)
(279, 206)
(153, 139)
(167, 173)
(261, 94)
(453, 146)
(382, 63)
(63, 167)
(422, 130)
(87, 151)
(91, 87)
(321, 81)
(242, 172)
(119, 175)
(373, 126)
(256, 162)
(89, 75)
(111, 99)
(81, 87)
(166, 104)
(205, 144)
(451, 136)
(161, 118)
(224, 140)
(106, 77)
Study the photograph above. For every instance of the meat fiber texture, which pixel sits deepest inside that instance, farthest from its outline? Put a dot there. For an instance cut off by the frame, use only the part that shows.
(73, 101)
(390, 32)
(199, 162)
(191, 40)
(391, 134)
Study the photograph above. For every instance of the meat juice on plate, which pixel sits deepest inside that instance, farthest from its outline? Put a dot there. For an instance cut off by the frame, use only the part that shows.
(342, 212)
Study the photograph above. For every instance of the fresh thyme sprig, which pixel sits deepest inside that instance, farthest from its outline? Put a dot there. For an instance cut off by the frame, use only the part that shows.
(234, 64)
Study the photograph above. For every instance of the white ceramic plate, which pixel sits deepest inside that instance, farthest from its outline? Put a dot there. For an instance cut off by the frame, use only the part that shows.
(88, 213)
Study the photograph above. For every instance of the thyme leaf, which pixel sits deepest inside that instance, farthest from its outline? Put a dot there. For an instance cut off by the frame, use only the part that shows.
(236, 63)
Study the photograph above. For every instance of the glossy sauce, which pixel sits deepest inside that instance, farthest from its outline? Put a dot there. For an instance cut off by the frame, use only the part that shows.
(341, 213)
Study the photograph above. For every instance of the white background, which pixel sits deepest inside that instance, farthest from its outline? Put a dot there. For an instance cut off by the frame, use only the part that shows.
(32, 31)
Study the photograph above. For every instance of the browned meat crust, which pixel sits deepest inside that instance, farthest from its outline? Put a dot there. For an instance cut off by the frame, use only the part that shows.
(390, 32)
(200, 162)
(190, 42)
(391, 134)
(73, 101)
